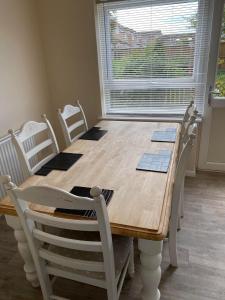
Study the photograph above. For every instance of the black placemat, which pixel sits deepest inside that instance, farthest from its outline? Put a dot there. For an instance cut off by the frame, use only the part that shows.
(93, 134)
(85, 192)
(155, 162)
(62, 161)
(168, 135)
(43, 171)
(95, 128)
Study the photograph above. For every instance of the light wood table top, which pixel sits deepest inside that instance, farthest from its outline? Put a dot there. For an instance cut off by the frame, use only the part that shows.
(141, 202)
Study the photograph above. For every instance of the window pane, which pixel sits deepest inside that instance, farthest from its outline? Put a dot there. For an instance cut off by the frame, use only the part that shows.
(154, 41)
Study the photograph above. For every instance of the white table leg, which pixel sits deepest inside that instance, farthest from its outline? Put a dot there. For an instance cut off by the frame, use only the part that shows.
(24, 250)
(151, 257)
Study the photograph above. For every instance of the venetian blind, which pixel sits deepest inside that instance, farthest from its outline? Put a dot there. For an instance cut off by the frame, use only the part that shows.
(153, 55)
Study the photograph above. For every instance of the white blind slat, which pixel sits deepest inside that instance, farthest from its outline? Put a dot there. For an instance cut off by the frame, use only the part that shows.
(153, 55)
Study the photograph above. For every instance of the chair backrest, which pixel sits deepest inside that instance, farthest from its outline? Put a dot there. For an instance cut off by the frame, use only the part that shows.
(188, 111)
(190, 114)
(180, 171)
(68, 112)
(189, 119)
(30, 131)
(48, 262)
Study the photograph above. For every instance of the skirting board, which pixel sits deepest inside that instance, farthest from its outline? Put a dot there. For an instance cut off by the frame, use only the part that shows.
(190, 173)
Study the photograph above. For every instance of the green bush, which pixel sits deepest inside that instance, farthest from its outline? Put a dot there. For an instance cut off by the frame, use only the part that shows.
(151, 61)
(220, 82)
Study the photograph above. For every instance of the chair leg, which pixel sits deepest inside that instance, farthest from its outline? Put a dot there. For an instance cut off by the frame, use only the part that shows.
(112, 291)
(131, 269)
(111, 295)
(178, 224)
(182, 199)
(181, 205)
(173, 244)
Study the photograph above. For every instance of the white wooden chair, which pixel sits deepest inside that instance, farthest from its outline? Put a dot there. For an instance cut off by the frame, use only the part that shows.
(176, 199)
(189, 118)
(28, 132)
(70, 111)
(101, 262)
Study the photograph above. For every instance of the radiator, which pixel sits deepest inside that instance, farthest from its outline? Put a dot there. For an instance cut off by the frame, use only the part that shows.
(9, 163)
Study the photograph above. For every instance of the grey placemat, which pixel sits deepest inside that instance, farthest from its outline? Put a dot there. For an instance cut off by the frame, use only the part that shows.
(155, 162)
(168, 135)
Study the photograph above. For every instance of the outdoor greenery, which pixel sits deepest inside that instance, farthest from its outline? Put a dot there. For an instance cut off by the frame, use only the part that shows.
(148, 62)
(220, 77)
(153, 61)
(220, 82)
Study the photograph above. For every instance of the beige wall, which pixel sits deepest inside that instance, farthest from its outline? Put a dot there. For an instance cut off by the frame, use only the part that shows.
(68, 31)
(216, 151)
(23, 86)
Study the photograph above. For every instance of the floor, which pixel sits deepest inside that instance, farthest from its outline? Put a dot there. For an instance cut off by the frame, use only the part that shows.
(201, 246)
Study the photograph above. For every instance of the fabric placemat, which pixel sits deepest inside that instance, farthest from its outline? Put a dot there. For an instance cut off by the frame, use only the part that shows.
(93, 134)
(43, 171)
(168, 135)
(155, 162)
(62, 161)
(85, 192)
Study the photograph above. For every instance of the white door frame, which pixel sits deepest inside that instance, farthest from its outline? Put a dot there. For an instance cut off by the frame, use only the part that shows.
(203, 163)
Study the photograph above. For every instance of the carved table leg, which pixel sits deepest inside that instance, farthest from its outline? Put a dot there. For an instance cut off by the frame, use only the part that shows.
(24, 250)
(151, 256)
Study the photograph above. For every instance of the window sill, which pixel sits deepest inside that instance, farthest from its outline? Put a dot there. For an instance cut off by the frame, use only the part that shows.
(217, 102)
(170, 119)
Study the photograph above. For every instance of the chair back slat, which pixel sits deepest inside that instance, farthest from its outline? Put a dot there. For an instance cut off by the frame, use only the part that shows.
(92, 246)
(77, 277)
(79, 225)
(85, 265)
(38, 148)
(32, 160)
(42, 163)
(75, 126)
(69, 130)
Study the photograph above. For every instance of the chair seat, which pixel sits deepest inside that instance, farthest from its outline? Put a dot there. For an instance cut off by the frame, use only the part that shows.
(121, 248)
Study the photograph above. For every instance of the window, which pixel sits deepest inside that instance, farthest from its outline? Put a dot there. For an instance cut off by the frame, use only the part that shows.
(153, 55)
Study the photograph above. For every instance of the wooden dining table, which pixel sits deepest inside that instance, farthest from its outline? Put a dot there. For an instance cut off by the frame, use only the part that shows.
(141, 202)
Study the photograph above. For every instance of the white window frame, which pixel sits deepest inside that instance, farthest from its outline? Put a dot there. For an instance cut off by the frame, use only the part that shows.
(105, 65)
(215, 100)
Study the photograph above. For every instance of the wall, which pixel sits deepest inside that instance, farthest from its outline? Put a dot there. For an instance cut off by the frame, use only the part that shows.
(216, 150)
(68, 31)
(23, 85)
